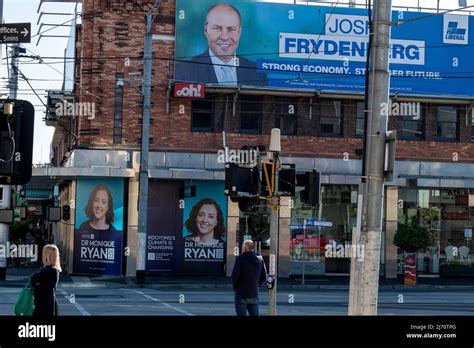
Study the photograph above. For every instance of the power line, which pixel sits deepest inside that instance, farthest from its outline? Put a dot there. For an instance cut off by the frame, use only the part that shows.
(297, 72)
(42, 102)
(80, 87)
(56, 26)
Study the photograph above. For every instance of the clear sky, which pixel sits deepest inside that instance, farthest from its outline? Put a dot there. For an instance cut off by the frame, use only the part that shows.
(17, 11)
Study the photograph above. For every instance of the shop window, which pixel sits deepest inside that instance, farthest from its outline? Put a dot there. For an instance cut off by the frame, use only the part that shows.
(202, 115)
(309, 246)
(250, 114)
(447, 123)
(449, 215)
(286, 110)
(331, 118)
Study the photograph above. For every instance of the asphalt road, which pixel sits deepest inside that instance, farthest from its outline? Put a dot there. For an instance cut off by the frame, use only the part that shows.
(99, 301)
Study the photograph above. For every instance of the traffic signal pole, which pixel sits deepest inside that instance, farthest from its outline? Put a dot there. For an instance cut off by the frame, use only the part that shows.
(273, 260)
(274, 205)
(7, 191)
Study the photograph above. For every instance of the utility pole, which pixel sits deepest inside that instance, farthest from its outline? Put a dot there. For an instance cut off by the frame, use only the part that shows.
(367, 274)
(7, 193)
(274, 206)
(145, 145)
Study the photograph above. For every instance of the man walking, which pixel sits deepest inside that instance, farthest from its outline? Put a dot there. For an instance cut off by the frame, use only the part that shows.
(247, 276)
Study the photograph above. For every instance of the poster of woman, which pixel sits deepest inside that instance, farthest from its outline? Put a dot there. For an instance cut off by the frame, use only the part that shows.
(98, 227)
(204, 230)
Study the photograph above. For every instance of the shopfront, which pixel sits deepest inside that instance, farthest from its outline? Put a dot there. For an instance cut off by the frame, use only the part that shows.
(311, 249)
(448, 213)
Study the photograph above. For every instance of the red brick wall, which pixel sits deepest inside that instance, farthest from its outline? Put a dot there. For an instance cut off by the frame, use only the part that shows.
(115, 29)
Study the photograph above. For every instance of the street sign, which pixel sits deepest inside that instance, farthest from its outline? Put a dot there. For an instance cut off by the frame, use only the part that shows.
(15, 33)
(310, 224)
(318, 223)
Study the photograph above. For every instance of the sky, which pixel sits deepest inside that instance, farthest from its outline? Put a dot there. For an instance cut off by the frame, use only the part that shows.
(20, 11)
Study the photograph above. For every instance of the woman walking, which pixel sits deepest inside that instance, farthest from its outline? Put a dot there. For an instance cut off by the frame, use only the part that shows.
(45, 282)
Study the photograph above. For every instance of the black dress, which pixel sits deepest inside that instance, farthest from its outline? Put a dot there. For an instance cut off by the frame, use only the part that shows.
(44, 285)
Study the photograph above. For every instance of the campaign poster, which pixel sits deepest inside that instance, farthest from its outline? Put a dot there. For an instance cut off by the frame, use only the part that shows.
(98, 230)
(204, 229)
(302, 46)
(164, 244)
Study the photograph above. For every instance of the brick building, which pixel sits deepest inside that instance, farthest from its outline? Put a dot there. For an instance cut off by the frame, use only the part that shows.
(321, 130)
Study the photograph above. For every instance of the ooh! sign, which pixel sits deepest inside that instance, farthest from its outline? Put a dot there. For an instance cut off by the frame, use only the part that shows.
(189, 90)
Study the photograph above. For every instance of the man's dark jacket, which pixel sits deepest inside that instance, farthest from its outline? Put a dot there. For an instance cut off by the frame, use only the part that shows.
(248, 275)
(201, 69)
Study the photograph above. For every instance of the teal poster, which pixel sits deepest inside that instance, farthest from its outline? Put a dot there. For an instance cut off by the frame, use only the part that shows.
(204, 229)
(98, 230)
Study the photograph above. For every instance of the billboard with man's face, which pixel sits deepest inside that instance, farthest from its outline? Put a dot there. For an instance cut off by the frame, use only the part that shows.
(256, 44)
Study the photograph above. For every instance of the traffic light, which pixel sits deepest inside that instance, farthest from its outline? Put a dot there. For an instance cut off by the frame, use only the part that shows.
(287, 180)
(16, 141)
(66, 212)
(311, 181)
(241, 181)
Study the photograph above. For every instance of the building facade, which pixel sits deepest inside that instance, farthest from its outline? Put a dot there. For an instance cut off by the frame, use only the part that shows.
(322, 129)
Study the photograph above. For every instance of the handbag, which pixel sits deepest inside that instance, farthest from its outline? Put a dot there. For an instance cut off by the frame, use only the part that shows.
(24, 305)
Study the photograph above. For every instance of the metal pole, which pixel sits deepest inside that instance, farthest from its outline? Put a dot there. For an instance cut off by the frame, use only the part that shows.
(145, 147)
(272, 295)
(7, 193)
(274, 214)
(379, 82)
(304, 251)
(15, 51)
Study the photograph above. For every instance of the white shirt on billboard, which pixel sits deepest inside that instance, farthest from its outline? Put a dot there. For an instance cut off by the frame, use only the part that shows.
(226, 72)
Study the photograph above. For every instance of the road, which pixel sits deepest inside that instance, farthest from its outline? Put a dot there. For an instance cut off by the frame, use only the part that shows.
(99, 301)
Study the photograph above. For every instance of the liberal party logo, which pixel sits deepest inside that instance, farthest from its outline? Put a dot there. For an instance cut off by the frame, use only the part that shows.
(456, 29)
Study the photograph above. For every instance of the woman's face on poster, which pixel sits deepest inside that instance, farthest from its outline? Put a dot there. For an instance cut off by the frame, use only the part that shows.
(206, 219)
(101, 204)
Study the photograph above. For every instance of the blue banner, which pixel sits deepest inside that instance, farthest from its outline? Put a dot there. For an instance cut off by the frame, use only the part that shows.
(307, 47)
(99, 227)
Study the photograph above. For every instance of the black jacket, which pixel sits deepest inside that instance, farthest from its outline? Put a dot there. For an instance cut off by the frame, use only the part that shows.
(44, 285)
(248, 275)
(200, 69)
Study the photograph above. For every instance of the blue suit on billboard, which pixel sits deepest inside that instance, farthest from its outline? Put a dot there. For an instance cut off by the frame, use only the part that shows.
(201, 69)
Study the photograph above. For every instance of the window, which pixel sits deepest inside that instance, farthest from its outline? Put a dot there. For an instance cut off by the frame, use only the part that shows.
(285, 115)
(412, 129)
(360, 119)
(331, 118)
(250, 114)
(118, 108)
(202, 116)
(447, 123)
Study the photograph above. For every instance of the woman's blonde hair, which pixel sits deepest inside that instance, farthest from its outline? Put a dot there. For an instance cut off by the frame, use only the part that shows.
(51, 256)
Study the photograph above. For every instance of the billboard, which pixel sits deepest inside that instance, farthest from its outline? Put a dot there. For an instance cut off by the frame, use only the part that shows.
(204, 229)
(186, 235)
(98, 230)
(286, 46)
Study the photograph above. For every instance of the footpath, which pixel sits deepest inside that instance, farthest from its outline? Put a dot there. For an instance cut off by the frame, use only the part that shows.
(17, 277)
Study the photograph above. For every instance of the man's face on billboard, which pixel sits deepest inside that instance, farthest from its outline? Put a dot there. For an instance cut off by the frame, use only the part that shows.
(223, 30)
